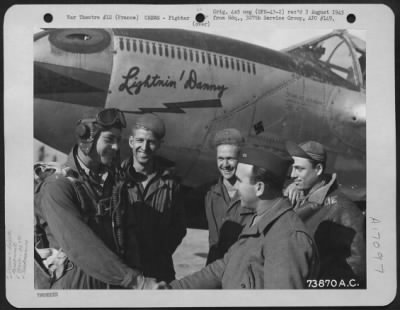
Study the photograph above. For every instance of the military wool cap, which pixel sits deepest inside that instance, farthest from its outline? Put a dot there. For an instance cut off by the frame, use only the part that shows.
(276, 163)
(228, 136)
(152, 123)
(310, 150)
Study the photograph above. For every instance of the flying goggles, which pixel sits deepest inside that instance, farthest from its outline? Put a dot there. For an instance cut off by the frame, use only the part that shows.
(110, 117)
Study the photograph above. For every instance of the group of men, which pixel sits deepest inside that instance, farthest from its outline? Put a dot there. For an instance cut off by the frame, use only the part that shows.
(104, 224)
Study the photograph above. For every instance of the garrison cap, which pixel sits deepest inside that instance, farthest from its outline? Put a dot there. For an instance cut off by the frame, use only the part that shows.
(310, 150)
(276, 163)
(228, 136)
(152, 123)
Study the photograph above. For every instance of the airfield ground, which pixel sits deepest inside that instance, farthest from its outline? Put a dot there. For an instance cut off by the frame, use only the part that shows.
(192, 253)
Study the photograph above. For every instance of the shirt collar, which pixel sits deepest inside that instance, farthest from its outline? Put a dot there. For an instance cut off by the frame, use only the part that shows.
(83, 166)
(221, 189)
(88, 172)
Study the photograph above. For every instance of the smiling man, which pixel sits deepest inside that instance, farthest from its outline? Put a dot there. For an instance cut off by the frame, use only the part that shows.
(337, 224)
(155, 199)
(274, 250)
(225, 217)
(78, 211)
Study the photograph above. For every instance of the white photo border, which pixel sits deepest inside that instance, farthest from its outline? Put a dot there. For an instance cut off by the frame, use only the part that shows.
(19, 25)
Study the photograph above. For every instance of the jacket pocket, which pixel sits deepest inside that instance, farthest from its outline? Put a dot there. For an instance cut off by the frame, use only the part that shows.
(247, 279)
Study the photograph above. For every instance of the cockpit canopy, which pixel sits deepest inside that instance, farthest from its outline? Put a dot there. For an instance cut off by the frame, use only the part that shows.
(342, 54)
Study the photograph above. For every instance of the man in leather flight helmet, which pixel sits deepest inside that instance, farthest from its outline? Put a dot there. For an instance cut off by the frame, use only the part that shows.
(75, 210)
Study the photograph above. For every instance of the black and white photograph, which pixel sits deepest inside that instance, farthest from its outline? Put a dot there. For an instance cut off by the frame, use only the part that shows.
(223, 150)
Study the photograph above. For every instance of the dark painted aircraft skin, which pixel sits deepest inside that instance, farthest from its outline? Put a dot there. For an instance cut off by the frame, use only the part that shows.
(200, 83)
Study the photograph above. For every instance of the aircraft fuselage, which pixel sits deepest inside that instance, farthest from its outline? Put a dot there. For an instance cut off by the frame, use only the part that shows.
(197, 84)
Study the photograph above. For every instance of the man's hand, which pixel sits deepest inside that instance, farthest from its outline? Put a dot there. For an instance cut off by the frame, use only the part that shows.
(163, 286)
(149, 284)
(293, 193)
(152, 284)
(144, 283)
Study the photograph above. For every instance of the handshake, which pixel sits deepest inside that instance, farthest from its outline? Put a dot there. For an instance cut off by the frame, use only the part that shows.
(143, 283)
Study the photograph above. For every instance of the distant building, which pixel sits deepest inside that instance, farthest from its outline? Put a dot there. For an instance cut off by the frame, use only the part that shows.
(42, 152)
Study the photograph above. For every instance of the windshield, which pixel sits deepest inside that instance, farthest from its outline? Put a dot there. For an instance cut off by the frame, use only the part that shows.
(335, 55)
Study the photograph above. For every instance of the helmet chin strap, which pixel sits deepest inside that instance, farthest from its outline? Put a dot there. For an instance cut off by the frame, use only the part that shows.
(89, 161)
(87, 146)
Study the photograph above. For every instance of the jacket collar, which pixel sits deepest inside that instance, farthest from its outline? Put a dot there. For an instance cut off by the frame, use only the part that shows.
(246, 211)
(70, 166)
(220, 189)
(217, 188)
(163, 167)
(268, 218)
(320, 190)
